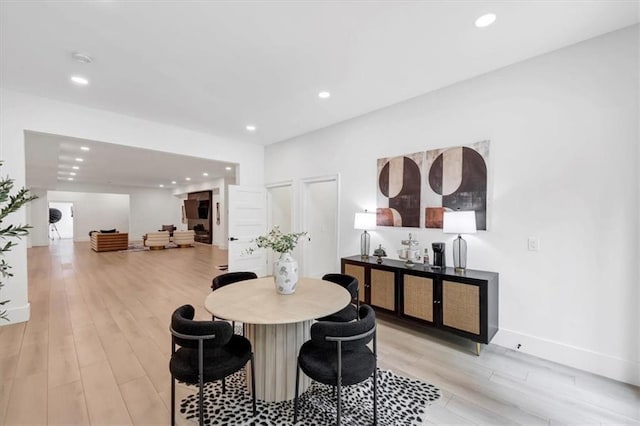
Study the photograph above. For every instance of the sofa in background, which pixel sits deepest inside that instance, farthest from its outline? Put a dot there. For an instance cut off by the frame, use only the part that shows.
(109, 241)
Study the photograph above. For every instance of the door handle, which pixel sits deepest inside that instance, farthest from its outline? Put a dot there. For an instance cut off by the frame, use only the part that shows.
(233, 239)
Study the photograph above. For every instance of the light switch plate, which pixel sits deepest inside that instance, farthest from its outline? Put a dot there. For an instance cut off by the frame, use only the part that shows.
(533, 244)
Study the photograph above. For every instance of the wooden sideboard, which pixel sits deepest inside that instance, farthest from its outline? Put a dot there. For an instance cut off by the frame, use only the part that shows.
(462, 303)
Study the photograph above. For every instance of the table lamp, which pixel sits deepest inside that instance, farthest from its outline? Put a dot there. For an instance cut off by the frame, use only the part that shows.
(365, 221)
(459, 222)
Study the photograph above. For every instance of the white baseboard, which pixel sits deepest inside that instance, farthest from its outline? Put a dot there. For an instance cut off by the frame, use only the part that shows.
(573, 356)
(17, 314)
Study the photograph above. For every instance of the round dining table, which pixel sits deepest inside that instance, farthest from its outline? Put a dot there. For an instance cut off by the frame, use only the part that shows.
(277, 325)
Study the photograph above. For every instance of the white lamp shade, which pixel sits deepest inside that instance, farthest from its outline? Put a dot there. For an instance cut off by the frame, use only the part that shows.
(365, 221)
(459, 222)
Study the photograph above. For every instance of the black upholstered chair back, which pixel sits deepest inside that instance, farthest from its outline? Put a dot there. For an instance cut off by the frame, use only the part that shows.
(230, 278)
(346, 281)
(182, 322)
(320, 330)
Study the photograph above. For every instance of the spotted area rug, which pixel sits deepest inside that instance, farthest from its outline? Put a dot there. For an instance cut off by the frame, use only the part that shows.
(401, 401)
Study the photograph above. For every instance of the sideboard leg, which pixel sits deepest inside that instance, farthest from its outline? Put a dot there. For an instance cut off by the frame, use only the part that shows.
(477, 349)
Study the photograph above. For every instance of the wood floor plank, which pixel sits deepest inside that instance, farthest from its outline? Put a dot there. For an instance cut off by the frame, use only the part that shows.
(67, 405)
(105, 405)
(88, 346)
(28, 401)
(144, 403)
(63, 367)
(5, 393)
(33, 359)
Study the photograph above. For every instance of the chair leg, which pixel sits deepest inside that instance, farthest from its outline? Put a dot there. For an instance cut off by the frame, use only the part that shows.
(375, 397)
(200, 403)
(253, 386)
(295, 400)
(173, 400)
(339, 397)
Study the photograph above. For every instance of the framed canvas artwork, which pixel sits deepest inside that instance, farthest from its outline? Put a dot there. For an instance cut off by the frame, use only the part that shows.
(456, 179)
(399, 190)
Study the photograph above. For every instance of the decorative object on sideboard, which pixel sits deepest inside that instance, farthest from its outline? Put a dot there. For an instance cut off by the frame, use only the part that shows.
(380, 253)
(439, 261)
(410, 252)
(365, 221)
(459, 222)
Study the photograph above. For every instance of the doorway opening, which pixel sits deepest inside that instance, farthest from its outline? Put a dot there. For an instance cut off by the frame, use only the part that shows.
(60, 220)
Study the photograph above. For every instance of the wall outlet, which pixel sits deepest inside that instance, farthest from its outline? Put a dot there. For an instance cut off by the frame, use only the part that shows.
(533, 244)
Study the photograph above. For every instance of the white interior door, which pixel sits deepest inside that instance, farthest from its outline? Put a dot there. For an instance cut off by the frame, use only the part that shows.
(320, 208)
(247, 220)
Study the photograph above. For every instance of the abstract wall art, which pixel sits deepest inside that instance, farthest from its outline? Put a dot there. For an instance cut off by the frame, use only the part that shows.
(456, 179)
(415, 190)
(399, 190)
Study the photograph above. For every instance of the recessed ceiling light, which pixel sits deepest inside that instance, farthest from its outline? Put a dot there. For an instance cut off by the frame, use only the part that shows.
(80, 160)
(324, 95)
(227, 168)
(79, 80)
(85, 148)
(69, 178)
(72, 173)
(205, 174)
(173, 182)
(250, 128)
(187, 178)
(161, 186)
(75, 168)
(485, 20)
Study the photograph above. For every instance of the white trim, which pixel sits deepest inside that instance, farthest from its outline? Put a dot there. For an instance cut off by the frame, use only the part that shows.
(17, 314)
(573, 356)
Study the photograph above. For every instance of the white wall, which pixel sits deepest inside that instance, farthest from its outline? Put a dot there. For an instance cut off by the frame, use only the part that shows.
(20, 112)
(94, 211)
(563, 167)
(152, 208)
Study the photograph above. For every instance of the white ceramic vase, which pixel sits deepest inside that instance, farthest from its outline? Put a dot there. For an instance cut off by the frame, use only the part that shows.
(285, 271)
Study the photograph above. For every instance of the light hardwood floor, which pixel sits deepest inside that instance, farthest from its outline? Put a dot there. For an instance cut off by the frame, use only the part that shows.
(96, 351)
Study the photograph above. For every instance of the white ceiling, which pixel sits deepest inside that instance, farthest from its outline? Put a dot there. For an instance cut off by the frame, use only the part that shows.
(217, 66)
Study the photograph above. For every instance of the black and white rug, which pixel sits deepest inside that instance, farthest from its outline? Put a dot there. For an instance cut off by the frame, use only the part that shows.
(401, 401)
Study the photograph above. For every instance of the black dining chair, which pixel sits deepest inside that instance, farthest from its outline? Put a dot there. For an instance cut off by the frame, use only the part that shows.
(350, 312)
(338, 355)
(209, 351)
(230, 278)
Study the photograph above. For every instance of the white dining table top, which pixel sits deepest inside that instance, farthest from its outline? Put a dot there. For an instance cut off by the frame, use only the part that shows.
(257, 301)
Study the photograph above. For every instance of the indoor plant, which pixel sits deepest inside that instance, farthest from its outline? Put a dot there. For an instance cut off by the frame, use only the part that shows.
(285, 268)
(10, 204)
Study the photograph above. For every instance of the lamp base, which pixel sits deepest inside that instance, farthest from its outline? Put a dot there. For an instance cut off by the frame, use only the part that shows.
(459, 254)
(365, 244)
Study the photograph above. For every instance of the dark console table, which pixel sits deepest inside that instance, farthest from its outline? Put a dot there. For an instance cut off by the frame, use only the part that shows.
(462, 303)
